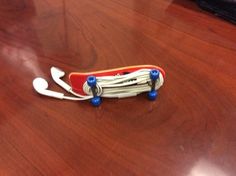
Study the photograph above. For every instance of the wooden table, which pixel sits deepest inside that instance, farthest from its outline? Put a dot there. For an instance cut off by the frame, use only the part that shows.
(189, 131)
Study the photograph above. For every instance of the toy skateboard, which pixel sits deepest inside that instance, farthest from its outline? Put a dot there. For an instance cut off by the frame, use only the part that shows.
(78, 79)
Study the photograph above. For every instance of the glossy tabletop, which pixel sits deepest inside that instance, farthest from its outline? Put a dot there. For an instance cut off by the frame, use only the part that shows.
(189, 131)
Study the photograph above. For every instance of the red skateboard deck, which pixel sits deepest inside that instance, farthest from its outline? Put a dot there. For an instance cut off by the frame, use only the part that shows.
(77, 79)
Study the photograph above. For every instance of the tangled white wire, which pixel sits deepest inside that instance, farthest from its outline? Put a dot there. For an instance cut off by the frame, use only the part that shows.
(120, 86)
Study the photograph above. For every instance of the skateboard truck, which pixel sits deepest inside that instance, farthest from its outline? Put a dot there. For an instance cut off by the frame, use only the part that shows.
(114, 83)
(154, 75)
(92, 82)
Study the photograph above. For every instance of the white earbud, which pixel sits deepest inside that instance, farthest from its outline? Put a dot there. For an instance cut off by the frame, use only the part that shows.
(56, 75)
(41, 85)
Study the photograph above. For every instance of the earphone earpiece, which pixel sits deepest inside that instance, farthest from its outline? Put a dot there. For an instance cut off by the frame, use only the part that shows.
(56, 75)
(41, 85)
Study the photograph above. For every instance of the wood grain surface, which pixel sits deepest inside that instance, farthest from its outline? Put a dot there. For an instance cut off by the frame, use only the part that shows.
(189, 131)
